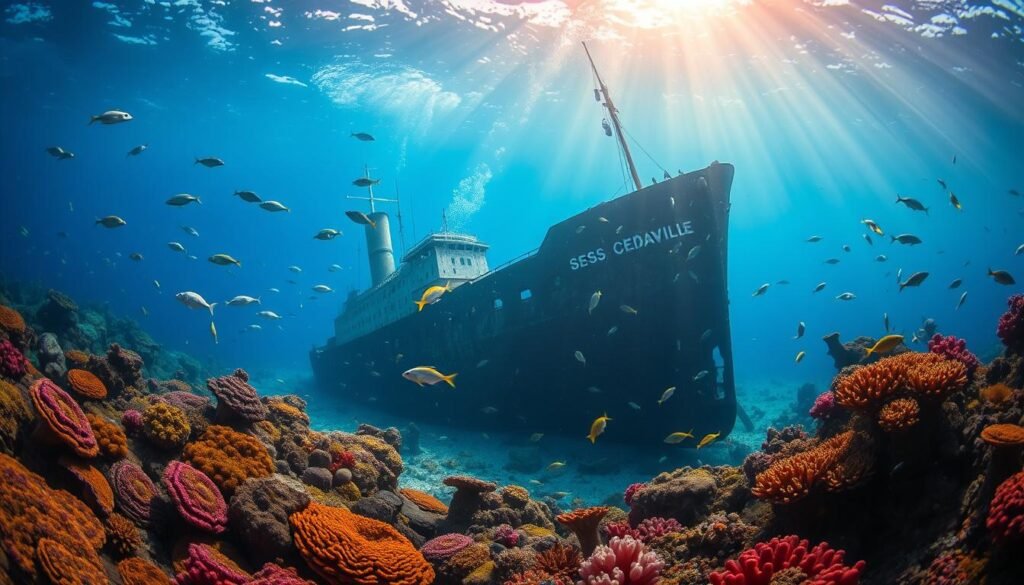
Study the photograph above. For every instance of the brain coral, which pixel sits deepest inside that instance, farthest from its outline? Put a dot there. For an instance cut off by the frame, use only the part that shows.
(14, 413)
(122, 535)
(1006, 512)
(111, 439)
(228, 457)
(62, 420)
(345, 548)
(899, 414)
(424, 501)
(236, 398)
(95, 489)
(196, 497)
(64, 567)
(11, 321)
(136, 571)
(86, 384)
(259, 516)
(165, 425)
(205, 565)
(30, 511)
(820, 565)
(134, 490)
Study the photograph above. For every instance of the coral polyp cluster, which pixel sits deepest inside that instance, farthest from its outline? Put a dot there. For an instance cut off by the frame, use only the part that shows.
(817, 565)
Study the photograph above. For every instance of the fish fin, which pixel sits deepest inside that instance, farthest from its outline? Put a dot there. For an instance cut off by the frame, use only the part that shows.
(197, 161)
(93, 119)
(450, 379)
(199, 201)
(419, 304)
(592, 439)
(212, 305)
(869, 352)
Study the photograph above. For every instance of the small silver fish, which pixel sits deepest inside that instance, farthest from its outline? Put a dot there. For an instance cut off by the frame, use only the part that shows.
(820, 287)
(580, 358)
(800, 328)
(594, 300)
(633, 405)
(666, 395)
(209, 162)
(693, 253)
(700, 375)
(846, 296)
(761, 290)
(612, 330)
(960, 303)
(183, 199)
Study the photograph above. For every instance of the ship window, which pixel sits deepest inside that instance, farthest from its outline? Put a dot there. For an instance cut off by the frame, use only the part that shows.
(453, 259)
(525, 294)
(498, 304)
(469, 261)
(462, 261)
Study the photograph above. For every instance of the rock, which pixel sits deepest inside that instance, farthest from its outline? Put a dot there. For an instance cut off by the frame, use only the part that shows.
(58, 313)
(259, 516)
(848, 354)
(685, 494)
(383, 506)
(320, 458)
(390, 435)
(282, 467)
(318, 477)
(51, 356)
(342, 476)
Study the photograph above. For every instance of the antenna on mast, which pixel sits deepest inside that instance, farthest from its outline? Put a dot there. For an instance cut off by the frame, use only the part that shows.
(613, 113)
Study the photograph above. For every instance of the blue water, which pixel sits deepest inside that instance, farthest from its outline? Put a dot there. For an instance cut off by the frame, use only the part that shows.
(484, 110)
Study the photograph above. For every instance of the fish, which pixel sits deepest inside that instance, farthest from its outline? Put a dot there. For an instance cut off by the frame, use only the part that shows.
(269, 315)
(327, 234)
(602, 219)
(255, 327)
(1014, 192)
(144, 311)
(594, 300)
(579, 357)
(873, 226)
(248, 196)
(224, 260)
(911, 203)
(885, 344)
(1019, 250)
(209, 162)
(867, 238)
(899, 275)
(190, 231)
(612, 330)
(111, 221)
(761, 290)
(334, 268)
(536, 482)
(136, 151)
(428, 375)
(156, 283)
(597, 427)
(273, 206)
(633, 405)
(800, 328)
(814, 239)
(666, 394)
(799, 356)
(361, 218)
(536, 437)
(678, 437)
(943, 184)
(365, 182)
(274, 290)
(322, 288)
(176, 246)
(955, 202)
(555, 465)
(954, 159)
(693, 253)
(362, 136)
(846, 247)
(593, 390)
(111, 117)
(482, 363)
(1001, 276)
(213, 332)
(915, 280)
(782, 282)
(832, 261)
(960, 303)
(908, 239)
(846, 296)
(700, 375)
(59, 153)
(627, 309)
(295, 269)
(182, 200)
(708, 439)
(489, 410)
(194, 300)
(242, 300)
(956, 283)
(431, 296)
(881, 258)
(885, 321)
(558, 495)
(820, 287)
(135, 256)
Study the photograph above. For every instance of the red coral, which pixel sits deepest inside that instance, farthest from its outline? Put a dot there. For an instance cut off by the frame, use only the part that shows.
(445, 546)
(272, 574)
(631, 492)
(206, 566)
(342, 459)
(12, 362)
(822, 565)
(506, 535)
(954, 348)
(824, 405)
(196, 497)
(651, 528)
(1006, 512)
(1011, 323)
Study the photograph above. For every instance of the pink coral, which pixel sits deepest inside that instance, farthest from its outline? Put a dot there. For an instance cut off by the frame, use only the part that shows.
(824, 405)
(444, 546)
(236, 398)
(651, 528)
(61, 419)
(205, 566)
(619, 529)
(1006, 512)
(821, 565)
(624, 561)
(196, 497)
(954, 348)
(184, 400)
(506, 535)
(132, 421)
(1011, 323)
(12, 362)
(134, 490)
(272, 574)
(631, 491)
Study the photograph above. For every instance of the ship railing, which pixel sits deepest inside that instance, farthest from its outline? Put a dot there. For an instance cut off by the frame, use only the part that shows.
(506, 264)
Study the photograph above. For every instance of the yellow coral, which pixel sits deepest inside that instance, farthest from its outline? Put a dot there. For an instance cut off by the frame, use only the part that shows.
(165, 425)
(228, 457)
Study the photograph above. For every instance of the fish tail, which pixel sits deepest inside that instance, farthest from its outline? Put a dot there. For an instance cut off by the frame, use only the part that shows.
(450, 379)
(199, 201)
(892, 239)
(592, 439)
(212, 305)
(420, 304)
(93, 119)
(870, 351)
(197, 161)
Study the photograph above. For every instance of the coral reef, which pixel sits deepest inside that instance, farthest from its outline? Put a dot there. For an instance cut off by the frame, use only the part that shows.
(14, 415)
(820, 565)
(134, 490)
(444, 547)
(11, 321)
(206, 565)
(12, 362)
(63, 567)
(136, 571)
(111, 439)
(259, 513)
(624, 561)
(61, 419)
(86, 384)
(954, 348)
(1011, 324)
(123, 536)
(196, 497)
(165, 425)
(1006, 512)
(584, 524)
(95, 488)
(424, 501)
(228, 457)
(236, 399)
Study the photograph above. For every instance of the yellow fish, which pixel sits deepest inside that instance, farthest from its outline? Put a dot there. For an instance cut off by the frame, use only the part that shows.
(556, 465)
(432, 295)
(678, 437)
(800, 356)
(428, 375)
(213, 332)
(597, 427)
(708, 439)
(885, 344)
(873, 226)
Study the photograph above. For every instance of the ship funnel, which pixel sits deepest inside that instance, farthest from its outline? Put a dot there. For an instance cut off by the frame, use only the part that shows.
(378, 247)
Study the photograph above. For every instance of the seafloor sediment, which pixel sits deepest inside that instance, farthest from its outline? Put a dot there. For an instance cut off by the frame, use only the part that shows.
(117, 464)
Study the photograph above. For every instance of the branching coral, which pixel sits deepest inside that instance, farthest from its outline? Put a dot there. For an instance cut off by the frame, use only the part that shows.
(12, 362)
(624, 561)
(136, 571)
(259, 514)
(11, 321)
(1011, 324)
(111, 439)
(86, 384)
(444, 547)
(63, 567)
(792, 478)
(870, 384)
(584, 524)
(820, 565)
(631, 492)
(824, 405)
(935, 378)
(165, 425)
(954, 348)
(205, 565)
(236, 398)
(899, 414)
(14, 413)
(196, 497)
(996, 394)
(228, 457)
(122, 535)
(424, 501)
(343, 547)
(95, 489)
(1006, 512)
(561, 561)
(61, 419)
(134, 490)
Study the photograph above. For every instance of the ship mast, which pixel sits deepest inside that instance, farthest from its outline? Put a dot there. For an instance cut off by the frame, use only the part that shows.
(614, 114)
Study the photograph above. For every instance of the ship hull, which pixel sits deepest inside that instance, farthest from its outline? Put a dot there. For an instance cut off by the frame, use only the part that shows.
(530, 353)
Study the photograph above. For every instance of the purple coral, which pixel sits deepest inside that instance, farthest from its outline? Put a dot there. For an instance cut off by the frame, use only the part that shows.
(132, 421)
(624, 561)
(631, 491)
(134, 490)
(184, 400)
(12, 362)
(651, 528)
(205, 566)
(196, 497)
(236, 398)
(1011, 323)
(824, 405)
(444, 546)
(506, 535)
(953, 348)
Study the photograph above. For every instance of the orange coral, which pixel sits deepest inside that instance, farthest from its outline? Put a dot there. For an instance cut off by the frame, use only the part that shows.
(95, 487)
(122, 535)
(515, 496)
(560, 562)
(111, 439)
(792, 478)
(343, 547)
(855, 464)
(86, 384)
(584, 523)
(165, 425)
(1003, 435)
(228, 457)
(62, 419)
(14, 413)
(281, 411)
(899, 415)
(996, 393)
(136, 571)
(870, 384)
(424, 501)
(936, 378)
(76, 357)
(64, 567)
(11, 320)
